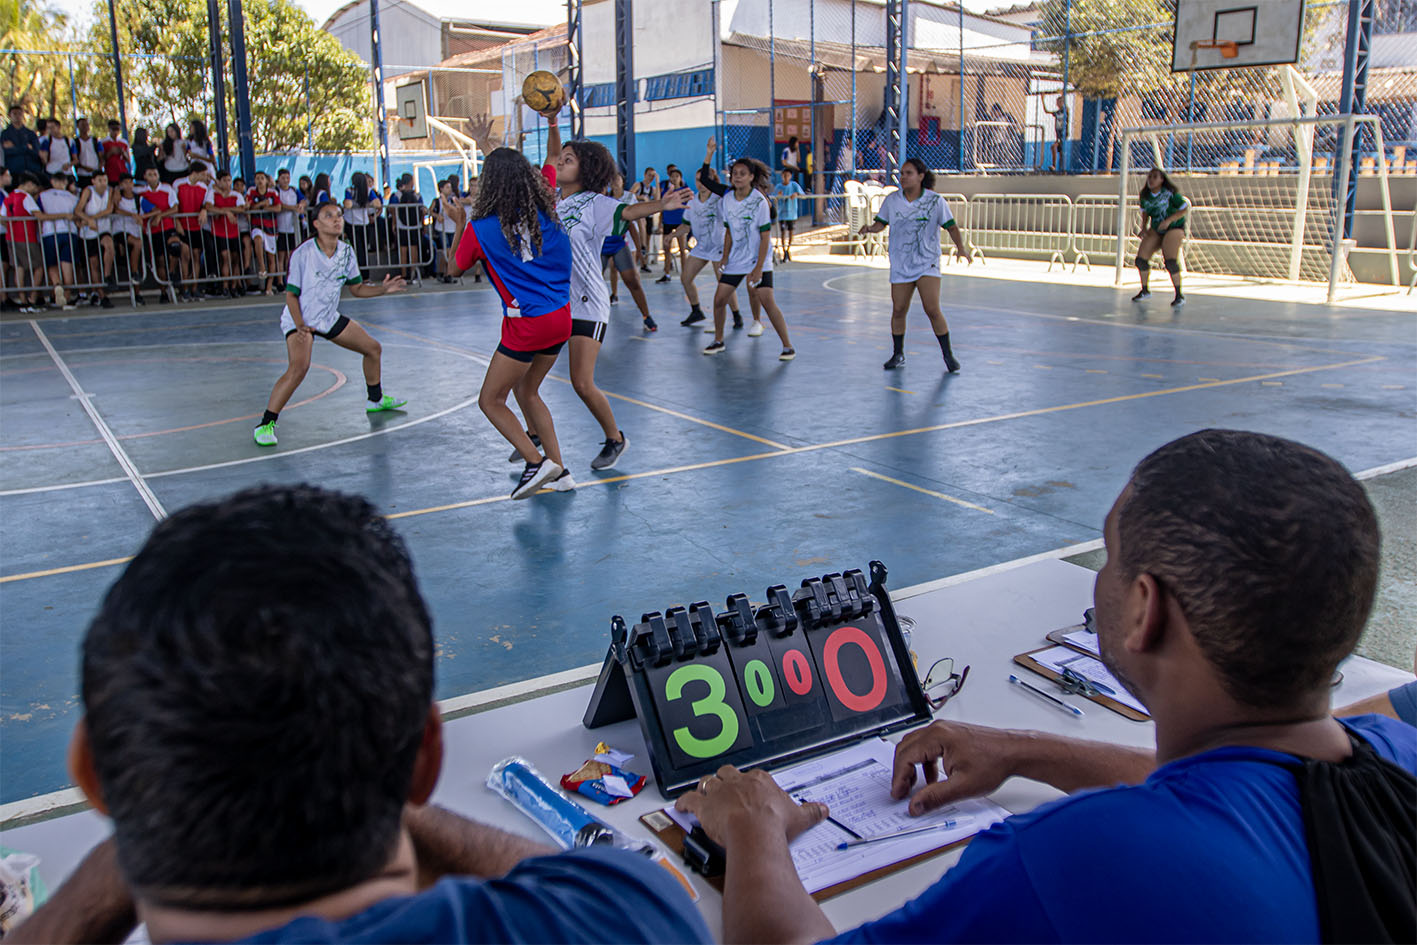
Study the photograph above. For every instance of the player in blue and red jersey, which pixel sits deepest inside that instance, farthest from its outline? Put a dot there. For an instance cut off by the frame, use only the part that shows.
(517, 236)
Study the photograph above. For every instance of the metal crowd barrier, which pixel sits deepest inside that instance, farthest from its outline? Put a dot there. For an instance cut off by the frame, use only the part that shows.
(1037, 223)
(1094, 227)
(89, 274)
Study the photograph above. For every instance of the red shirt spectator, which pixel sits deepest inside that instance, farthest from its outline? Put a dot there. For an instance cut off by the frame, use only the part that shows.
(18, 206)
(191, 195)
(162, 197)
(115, 157)
(223, 225)
(258, 201)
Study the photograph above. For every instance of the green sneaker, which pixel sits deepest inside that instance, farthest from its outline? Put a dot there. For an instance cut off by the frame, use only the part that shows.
(266, 434)
(387, 403)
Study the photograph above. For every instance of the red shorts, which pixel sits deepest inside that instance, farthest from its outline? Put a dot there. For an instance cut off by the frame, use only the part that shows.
(527, 336)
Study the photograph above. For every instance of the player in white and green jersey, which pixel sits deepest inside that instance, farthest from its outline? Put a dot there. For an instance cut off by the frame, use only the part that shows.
(1163, 227)
(320, 268)
(916, 215)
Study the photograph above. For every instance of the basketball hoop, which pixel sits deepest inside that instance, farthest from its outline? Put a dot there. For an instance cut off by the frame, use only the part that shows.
(1228, 49)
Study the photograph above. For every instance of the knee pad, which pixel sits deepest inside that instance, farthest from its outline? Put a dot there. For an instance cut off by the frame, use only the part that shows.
(1143, 263)
(1173, 265)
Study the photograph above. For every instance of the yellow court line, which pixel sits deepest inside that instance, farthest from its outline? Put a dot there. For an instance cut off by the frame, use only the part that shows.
(629, 400)
(792, 451)
(900, 390)
(931, 492)
(65, 570)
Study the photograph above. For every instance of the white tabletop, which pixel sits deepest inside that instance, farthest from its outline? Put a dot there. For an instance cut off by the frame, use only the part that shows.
(981, 622)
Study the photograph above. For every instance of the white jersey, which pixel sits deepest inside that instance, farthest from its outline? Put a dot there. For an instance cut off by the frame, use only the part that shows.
(98, 202)
(705, 219)
(56, 201)
(747, 221)
(915, 233)
(318, 280)
(589, 218)
(285, 219)
(124, 224)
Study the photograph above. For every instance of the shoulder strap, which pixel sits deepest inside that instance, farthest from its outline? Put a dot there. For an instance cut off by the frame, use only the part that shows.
(1360, 818)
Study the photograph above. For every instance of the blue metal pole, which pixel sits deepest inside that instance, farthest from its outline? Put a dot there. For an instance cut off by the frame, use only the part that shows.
(852, 168)
(893, 108)
(223, 158)
(772, 86)
(1355, 96)
(376, 58)
(959, 159)
(245, 146)
(1067, 151)
(1191, 117)
(117, 66)
(625, 86)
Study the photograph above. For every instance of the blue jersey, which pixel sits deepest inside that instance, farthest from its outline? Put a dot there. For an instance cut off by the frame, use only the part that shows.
(670, 217)
(528, 285)
(1211, 848)
(787, 208)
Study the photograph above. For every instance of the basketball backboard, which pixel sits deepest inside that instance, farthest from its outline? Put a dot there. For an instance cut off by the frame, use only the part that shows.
(1229, 34)
(411, 103)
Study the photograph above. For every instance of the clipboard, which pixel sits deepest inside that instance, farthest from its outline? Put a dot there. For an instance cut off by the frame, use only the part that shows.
(1027, 661)
(1058, 637)
(672, 836)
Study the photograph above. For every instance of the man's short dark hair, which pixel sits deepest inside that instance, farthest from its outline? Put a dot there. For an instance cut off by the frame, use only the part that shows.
(1269, 547)
(196, 167)
(222, 173)
(256, 684)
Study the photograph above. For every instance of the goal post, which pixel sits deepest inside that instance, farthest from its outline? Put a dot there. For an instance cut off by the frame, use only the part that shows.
(1267, 196)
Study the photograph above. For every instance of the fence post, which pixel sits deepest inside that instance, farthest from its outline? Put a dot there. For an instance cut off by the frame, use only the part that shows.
(772, 86)
(854, 142)
(1123, 171)
(223, 160)
(244, 145)
(959, 160)
(1355, 91)
(1067, 149)
(1340, 210)
(376, 59)
(625, 86)
(73, 96)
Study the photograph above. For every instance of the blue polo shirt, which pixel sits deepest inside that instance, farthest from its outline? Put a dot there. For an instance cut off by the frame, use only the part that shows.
(598, 895)
(670, 217)
(1211, 848)
(787, 208)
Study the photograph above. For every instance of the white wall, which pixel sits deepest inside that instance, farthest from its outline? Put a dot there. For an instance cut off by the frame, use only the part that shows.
(410, 37)
(668, 36)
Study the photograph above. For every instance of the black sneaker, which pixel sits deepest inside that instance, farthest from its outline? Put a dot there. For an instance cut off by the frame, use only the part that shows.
(717, 347)
(516, 457)
(662, 279)
(787, 354)
(610, 453)
(1141, 296)
(534, 477)
(645, 269)
(1178, 301)
(105, 302)
(693, 319)
(737, 319)
(650, 324)
(896, 361)
(952, 364)
(614, 297)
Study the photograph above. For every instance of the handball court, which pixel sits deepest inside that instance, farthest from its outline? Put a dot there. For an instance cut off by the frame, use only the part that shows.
(742, 471)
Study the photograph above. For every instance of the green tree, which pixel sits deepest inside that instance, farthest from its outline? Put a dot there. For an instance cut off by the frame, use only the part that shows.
(1111, 60)
(40, 83)
(169, 79)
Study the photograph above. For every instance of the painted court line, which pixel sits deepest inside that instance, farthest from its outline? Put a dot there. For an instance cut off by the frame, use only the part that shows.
(566, 380)
(124, 461)
(930, 492)
(752, 457)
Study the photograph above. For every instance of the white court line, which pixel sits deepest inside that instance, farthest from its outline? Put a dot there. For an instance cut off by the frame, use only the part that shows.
(63, 801)
(68, 485)
(124, 461)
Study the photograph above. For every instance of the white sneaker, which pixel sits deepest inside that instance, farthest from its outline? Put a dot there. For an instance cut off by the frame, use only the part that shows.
(563, 482)
(756, 330)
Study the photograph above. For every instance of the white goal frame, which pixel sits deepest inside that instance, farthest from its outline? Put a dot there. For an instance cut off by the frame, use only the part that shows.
(1303, 131)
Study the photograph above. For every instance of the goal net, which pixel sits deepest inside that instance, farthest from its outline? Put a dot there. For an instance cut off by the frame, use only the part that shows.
(1267, 197)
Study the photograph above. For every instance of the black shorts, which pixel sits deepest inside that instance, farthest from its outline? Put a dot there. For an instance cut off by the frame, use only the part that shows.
(4, 251)
(227, 244)
(526, 356)
(787, 224)
(285, 242)
(670, 228)
(340, 325)
(585, 328)
(736, 278)
(192, 238)
(93, 247)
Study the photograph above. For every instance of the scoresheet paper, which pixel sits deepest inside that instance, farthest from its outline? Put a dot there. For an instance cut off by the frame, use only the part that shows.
(1060, 657)
(855, 784)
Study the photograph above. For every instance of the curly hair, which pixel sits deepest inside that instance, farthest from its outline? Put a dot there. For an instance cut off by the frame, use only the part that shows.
(597, 167)
(1269, 547)
(762, 174)
(511, 190)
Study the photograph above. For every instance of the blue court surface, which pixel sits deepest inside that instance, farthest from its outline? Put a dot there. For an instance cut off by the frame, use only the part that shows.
(741, 471)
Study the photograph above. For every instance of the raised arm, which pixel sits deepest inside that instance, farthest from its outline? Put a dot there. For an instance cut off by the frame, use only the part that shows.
(673, 200)
(718, 189)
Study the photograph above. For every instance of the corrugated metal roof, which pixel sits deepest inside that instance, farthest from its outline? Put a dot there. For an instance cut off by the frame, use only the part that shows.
(493, 13)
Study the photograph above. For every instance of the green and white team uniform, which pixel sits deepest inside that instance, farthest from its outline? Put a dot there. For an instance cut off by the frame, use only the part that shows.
(318, 280)
(915, 233)
(1161, 204)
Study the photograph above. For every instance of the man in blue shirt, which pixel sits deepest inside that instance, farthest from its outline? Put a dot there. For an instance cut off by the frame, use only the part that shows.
(259, 724)
(1240, 571)
(20, 145)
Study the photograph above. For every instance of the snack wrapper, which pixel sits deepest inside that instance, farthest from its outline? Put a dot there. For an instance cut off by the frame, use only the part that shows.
(21, 890)
(603, 779)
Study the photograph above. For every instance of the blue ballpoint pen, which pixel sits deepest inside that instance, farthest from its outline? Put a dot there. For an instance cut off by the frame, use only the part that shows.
(1065, 706)
(942, 825)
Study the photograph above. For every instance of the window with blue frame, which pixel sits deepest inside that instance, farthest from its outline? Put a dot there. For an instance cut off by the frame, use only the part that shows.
(679, 85)
(603, 94)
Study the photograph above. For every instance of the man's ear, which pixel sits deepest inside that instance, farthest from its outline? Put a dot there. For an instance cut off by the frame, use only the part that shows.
(1146, 614)
(429, 763)
(81, 766)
